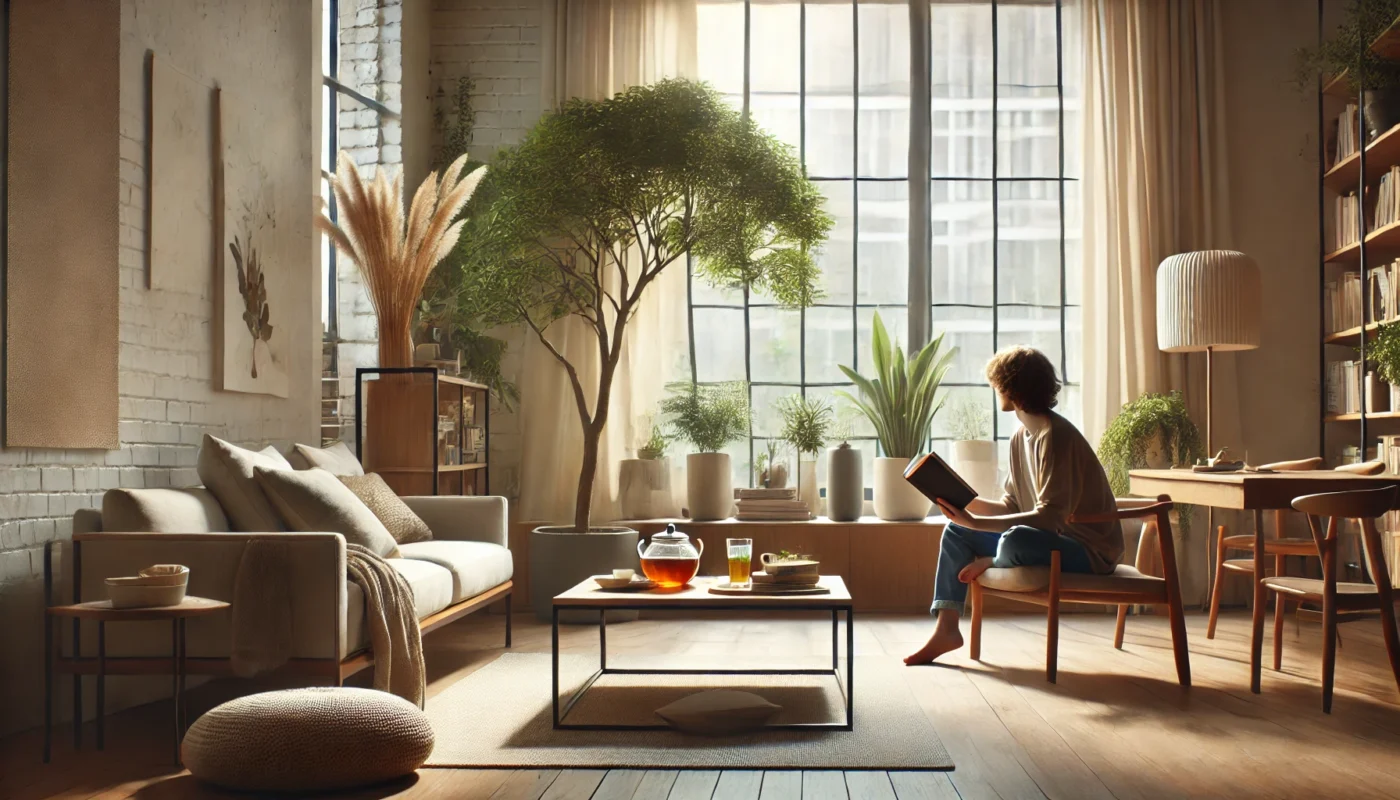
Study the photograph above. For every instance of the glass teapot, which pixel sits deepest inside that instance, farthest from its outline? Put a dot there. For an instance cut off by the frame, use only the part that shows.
(670, 559)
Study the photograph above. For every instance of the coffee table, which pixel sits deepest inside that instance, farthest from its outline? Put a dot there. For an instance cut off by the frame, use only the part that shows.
(697, 597)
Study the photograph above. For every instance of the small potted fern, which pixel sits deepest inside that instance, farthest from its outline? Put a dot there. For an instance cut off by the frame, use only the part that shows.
(974, 452)
(1152, 432)
(806, 424)
(644, 482)
(1384, 354)
(709, 416)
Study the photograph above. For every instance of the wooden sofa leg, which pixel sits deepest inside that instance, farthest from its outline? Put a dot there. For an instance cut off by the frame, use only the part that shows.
(508, 596)
(1052, 621)
(1118, 628)
(974, 646)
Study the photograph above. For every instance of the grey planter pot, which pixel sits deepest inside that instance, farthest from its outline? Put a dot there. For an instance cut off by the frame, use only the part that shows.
(559, 559)
(845, 486)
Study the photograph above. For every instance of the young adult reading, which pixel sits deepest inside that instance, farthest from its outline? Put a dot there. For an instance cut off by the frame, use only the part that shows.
(1053, 476)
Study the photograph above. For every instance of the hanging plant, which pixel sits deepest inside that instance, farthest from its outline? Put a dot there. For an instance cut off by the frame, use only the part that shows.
(1149, 422)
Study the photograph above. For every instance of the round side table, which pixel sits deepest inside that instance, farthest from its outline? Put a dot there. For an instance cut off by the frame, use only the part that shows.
(102, 612)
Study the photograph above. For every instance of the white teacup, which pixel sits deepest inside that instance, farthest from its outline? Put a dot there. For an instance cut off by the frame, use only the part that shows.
(624, 574)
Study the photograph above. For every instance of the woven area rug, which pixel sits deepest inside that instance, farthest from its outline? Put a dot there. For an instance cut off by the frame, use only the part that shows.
(499, 716)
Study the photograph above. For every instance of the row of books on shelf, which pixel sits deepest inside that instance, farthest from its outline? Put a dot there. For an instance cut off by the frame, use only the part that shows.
(1346, 228)
(1342, 302)
(1343, 298)
(1388, 199)
(1346, 133)
(1344, 387)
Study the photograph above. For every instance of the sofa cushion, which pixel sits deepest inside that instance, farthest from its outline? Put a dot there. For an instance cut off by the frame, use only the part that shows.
(227, 471)
(431, 585)
(337, 459)
(404, 525)
(163, 511)
(315, 500)
(475, 566)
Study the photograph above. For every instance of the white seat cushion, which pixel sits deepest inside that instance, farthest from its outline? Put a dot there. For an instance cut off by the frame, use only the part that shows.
(475, 566)
(1037, 579)
(431, 584)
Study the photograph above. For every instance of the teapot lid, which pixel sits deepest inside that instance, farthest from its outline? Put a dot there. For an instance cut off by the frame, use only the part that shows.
(670, 535)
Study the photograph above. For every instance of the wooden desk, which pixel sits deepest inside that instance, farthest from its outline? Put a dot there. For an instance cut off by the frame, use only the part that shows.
(1249, 491)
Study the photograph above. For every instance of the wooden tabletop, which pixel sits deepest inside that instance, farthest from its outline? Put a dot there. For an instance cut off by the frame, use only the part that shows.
(697, 595)
(1249, 490)
(102, 610)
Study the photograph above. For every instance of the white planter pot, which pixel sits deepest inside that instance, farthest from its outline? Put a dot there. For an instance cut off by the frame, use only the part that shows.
(896, 498)
(709, 489)
(807, 490)
(976, 461)
(644, 488)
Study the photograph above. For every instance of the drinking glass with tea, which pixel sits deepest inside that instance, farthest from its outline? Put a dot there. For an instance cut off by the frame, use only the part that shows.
(740, 562)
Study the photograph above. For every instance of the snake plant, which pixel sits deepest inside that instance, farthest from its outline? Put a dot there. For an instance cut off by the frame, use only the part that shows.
(902, 398)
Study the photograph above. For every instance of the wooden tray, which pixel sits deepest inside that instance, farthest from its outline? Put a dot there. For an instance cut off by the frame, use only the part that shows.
(730, 589)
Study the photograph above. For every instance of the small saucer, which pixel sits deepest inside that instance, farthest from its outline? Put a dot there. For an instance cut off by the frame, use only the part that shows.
(636, 583)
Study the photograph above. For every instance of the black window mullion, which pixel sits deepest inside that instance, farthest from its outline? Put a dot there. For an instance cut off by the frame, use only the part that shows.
(748, 327)
(855, 189)
(1060, 104)
(996, 222)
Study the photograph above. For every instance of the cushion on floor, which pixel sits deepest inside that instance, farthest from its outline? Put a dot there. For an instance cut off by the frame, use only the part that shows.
(305, 740)
(718, 712)
(475, 566)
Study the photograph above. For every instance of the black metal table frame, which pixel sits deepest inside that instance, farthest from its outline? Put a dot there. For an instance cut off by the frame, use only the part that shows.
(847, 692)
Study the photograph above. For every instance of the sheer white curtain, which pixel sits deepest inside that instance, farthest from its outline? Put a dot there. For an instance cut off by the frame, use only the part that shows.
(592, 50)
(1155, 184)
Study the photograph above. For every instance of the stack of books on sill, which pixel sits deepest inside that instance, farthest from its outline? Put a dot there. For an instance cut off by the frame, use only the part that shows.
(757, 505)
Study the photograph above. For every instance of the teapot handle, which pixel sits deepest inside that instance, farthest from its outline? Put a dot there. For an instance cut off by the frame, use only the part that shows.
(701, 548)
(640, 542)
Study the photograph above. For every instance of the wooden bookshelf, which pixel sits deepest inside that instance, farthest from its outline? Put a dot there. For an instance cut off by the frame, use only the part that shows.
(1360, 174)
(423, 431)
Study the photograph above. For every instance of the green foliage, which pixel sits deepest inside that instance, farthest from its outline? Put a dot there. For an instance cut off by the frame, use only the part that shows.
(969, 420)
(807, 422)
(443, 315)
(708, 416)
(1348, 49)
(602, 196)
(1124, 445)
(653, 446)
(1385, 352)
(902, 399)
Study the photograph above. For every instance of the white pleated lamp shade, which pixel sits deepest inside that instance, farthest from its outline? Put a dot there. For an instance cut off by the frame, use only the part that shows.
(1208, 299)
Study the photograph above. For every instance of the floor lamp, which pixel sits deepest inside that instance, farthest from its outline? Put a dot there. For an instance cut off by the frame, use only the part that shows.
(1208, 301)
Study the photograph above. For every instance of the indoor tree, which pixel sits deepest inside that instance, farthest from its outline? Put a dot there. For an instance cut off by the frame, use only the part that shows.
(601, 197)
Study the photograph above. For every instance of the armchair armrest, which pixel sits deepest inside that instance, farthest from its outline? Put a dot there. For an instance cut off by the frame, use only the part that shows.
(471, 519)
(1130, 508)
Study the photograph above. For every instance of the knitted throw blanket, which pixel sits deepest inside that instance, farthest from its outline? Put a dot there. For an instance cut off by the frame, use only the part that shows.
(262, 617)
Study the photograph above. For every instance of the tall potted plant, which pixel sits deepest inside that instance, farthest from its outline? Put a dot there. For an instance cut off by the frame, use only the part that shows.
(900, 401)
(709, 416)
(806, 425)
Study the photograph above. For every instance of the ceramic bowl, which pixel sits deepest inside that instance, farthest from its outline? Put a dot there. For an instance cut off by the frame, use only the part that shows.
(159, 585)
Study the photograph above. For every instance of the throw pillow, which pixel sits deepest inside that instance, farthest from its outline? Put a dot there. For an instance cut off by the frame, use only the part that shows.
(163, 511)
(338, 459)
(315, 500)
(405, 526)
(227, 471)
(717, 712)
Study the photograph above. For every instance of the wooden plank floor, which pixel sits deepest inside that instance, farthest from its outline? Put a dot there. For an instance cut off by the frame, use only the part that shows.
(1116, 725)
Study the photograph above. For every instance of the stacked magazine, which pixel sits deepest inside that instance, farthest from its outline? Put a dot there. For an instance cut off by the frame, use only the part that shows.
(770, 504)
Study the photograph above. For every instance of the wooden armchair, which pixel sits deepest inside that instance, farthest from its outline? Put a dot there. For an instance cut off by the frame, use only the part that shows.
(1049, 587)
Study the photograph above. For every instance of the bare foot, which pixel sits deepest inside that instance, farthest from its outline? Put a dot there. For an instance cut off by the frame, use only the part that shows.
(936, 646)
(971, 572)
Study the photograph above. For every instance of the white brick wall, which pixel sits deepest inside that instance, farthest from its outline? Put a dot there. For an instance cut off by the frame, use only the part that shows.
(257, 48)
(497, 44)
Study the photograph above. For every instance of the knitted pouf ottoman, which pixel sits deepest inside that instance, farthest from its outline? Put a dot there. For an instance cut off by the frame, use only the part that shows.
(302, 740)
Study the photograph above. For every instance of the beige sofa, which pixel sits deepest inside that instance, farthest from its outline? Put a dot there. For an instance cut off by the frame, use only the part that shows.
(466, 566)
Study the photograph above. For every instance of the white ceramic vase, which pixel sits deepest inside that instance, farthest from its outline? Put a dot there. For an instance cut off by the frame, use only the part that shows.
(976, 461)
(709, 488)
(807, 490)
(896, 498)
(644, 488)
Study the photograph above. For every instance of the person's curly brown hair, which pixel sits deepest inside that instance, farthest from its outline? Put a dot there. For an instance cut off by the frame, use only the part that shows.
(1026, 377)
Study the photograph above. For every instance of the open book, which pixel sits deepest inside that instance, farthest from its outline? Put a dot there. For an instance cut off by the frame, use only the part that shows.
(938, 481)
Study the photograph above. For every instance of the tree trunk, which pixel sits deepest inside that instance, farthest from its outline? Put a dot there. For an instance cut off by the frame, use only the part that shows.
(592, 435)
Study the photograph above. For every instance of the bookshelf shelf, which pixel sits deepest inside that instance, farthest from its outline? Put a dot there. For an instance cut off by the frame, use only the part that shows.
(1381, 241)
(1387, 45)
(1371, 416)
(1380, 155)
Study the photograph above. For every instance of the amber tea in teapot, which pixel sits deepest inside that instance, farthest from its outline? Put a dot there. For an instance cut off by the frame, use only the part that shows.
(670, 559)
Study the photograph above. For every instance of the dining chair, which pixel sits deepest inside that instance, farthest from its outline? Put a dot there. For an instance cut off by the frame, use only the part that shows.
(1363, 505)
(1280, 547)
(1049, 586)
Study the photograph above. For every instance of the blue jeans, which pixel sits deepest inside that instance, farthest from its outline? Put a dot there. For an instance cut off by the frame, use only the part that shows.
(1021, 546)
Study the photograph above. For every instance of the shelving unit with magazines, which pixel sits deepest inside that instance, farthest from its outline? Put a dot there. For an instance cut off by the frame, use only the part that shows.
(423, 431)
(1359, 228)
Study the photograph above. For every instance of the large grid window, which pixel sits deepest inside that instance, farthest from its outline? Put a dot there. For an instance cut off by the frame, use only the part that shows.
(834, 80)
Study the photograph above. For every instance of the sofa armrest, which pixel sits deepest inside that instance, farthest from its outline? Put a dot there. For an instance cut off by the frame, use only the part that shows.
(472, 519)
(317, 582)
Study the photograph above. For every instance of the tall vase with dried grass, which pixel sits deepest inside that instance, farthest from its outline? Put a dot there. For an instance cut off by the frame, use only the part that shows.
(395, 254)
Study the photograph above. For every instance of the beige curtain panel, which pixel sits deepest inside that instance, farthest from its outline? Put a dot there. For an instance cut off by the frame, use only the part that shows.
(594, 49)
